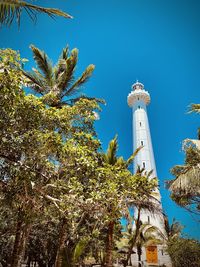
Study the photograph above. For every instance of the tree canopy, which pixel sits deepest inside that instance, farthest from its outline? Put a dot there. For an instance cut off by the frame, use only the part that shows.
(57, 186)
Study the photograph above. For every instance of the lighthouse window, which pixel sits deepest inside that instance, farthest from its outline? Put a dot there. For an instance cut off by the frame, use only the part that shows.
(148, 220)
(138, 106)
(144, 164)
(140, 124)
(138, 98)
(142, 143)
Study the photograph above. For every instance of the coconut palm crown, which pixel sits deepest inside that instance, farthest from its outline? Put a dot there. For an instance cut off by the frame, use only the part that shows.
(57, 84)
(110, 157)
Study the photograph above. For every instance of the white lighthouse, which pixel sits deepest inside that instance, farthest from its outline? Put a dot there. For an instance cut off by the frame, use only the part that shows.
(138, 99)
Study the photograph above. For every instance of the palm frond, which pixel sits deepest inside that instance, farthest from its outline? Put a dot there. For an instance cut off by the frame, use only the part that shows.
(148, 234)
(62, 62)
(175, 229)
(43, 64)
(60, 69)
(38, 73)
(132, 157)
(34, 82)
(79, 249)
(143, 172)
(140, 170)
(65, 53)
(121, 161)
(195, 108)
(11, 9)
(149, 203)
(111, 154)
(66, 78)
(149, 174)
(149, 240)
(154, 232)
(188, 182)
(81, 80)
(166, 225)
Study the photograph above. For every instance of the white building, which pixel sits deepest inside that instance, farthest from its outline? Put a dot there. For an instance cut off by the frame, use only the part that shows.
(138, 99)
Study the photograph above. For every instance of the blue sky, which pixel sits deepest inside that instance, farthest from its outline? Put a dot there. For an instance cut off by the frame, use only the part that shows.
(156, 42)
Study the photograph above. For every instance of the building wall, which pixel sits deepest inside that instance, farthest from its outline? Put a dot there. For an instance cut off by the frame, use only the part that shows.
(145, 157)
(142, 134)
(163, 258)
(138, 99)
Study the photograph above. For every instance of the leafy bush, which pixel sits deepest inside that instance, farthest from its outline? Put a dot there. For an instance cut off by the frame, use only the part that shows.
(184, 252)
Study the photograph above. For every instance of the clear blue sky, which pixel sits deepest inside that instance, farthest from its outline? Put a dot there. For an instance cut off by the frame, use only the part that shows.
(156, 42)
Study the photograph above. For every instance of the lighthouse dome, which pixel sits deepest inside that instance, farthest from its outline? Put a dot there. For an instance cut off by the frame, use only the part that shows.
(138, 93)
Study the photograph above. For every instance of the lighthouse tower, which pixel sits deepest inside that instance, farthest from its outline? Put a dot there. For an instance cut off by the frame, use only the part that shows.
(138, 100)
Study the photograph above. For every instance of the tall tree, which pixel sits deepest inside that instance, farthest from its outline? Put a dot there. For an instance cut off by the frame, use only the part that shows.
(35, 142)
(51, 170)
(111, 159)
(127, 190)
(144, 200)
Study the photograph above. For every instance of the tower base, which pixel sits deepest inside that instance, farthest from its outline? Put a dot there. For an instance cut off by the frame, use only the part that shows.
(151, 256)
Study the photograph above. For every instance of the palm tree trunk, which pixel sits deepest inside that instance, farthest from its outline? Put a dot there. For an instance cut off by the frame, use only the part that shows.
(61, 244)
(109, 245)
(139, 252)
(134, 239)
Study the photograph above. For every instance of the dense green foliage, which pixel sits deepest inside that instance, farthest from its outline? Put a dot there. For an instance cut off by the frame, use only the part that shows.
(61, 197)
(58, 191)
(39, 158)
(184, 252)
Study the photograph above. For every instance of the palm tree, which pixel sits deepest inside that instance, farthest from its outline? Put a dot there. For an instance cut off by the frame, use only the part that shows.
(145, 235)
(172, 231)
(145, 201)
(185, 188)
(57, 83)
(11, 9)
(110, 158)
